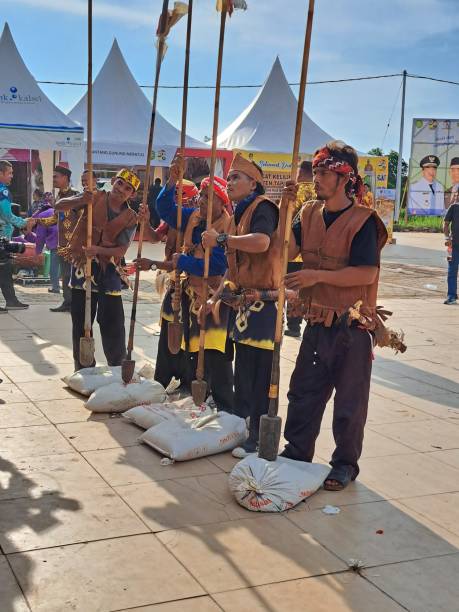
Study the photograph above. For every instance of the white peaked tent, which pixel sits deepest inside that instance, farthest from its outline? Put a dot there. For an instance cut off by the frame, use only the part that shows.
(121, 119)
(268, 123)
(28, 119)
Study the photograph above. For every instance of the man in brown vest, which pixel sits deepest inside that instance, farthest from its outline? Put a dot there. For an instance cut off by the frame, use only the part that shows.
(114, 225)
(218, 351)
(254, 272)
(340, 242)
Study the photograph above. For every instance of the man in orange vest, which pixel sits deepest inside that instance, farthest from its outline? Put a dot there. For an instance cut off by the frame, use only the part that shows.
(253, 250)
(340, 242)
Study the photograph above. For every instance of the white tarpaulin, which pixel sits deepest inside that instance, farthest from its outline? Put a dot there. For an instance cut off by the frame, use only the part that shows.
(268, 123)
(28, 119)
(121, 118)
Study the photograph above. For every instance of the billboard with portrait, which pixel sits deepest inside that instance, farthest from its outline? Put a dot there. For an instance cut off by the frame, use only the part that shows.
(277, 167)
(434, 166)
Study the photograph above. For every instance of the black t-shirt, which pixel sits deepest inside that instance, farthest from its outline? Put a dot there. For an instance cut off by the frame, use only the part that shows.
(364, 247)
(452, 216)
(265, 219)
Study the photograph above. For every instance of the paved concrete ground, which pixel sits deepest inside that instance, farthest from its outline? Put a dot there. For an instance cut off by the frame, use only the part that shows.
(90, 521)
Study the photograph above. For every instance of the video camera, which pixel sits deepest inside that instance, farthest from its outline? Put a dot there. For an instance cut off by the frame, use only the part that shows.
(8, 249)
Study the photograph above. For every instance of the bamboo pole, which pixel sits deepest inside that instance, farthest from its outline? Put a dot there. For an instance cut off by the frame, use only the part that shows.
(87, 347)
(175, 327)
(199, 386)
(270, 424)
(128, 365)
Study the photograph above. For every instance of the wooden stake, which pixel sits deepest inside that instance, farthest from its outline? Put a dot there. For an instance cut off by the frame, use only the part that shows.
(128, 365)
(270, 424)
(199, 386)
(87, 348)
(175, 327)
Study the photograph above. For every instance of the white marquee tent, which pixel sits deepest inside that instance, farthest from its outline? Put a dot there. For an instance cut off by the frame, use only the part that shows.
(121, 119)
(28, 119)
(268, 123)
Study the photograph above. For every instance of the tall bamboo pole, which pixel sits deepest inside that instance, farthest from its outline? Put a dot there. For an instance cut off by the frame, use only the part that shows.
(270, 424)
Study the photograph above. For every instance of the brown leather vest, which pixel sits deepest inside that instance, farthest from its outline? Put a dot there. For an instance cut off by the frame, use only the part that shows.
(104, 232)
(329, 249)
(66, 220)
(221, 225)
(254, 270)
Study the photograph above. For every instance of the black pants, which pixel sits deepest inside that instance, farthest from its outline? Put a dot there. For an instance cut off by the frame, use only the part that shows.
(252, 376)
(110, 316)
(6, 281)
(294, 323)
(329, 359)
(65, 269)
(218, 370)
(168, 365)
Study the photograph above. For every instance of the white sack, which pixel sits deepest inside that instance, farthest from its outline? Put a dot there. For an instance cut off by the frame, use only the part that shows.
(153, 414)
(181, 440)
(118, 397)
(87, 380)
(274, 486)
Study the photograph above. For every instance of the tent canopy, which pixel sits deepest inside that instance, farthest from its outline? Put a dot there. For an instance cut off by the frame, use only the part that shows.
(121, 118)
(28, 119)
(268, 123)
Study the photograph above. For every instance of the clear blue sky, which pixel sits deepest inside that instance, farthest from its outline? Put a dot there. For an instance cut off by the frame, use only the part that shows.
(350, 38)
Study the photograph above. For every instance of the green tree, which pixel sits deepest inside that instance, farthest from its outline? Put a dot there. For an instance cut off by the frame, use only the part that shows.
(393, 161)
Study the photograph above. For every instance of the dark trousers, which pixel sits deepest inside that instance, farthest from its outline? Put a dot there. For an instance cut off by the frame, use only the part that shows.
(110, 316)
(168, 365)
(65, 269)
(6, 281)
(294, 323)
(252, 377)
(330, 359)
(453, 267)
(218, 370)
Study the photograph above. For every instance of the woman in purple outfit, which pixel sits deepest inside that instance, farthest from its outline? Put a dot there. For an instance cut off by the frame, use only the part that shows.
(47, 236)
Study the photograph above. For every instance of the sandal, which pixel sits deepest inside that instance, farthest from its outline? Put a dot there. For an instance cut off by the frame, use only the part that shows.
(342, 475)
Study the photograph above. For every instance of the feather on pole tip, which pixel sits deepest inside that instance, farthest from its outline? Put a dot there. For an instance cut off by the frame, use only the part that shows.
(231, 5)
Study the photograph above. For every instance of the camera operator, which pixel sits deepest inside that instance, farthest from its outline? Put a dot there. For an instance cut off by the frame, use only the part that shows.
(7, 223)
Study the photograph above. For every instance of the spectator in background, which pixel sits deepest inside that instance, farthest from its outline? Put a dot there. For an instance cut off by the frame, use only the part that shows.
(48, 236)
(8, 221)
(85, 179)
(153, 193)
(37, 197)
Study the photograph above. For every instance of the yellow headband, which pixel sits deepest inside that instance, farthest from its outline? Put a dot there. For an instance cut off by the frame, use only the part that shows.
(240, 164)
(129, 177)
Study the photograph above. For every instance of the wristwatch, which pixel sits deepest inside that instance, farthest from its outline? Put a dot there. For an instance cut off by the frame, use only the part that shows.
(222, 239)
(153, 267)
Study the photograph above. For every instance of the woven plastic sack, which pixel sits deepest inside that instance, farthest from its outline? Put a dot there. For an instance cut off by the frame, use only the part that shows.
(274, 486)
(184, 410)
(119, 397)
(209, 435)
(87, 380)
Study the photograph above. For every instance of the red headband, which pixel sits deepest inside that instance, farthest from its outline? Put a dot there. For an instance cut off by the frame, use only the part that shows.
(220, 186)
(324, 159)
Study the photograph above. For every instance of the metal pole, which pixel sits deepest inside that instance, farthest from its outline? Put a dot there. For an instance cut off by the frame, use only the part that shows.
(398, 184)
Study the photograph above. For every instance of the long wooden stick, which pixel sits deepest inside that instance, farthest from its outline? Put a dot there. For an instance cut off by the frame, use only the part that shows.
(275, 371)
(86, 343)
(159, 58)
(213, 160)
(175, 338)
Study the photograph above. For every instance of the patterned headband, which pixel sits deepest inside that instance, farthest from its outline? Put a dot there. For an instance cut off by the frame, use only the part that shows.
(324, 159)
